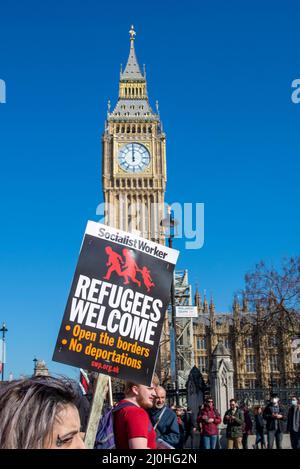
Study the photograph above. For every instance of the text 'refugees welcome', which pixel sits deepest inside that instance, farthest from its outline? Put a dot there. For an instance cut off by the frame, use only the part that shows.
(115, 309)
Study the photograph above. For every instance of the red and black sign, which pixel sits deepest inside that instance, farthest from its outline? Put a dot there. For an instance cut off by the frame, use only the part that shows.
(119, 295)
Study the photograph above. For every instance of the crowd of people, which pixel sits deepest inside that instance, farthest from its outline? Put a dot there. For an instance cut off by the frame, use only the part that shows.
(176, 426)
(46, 412)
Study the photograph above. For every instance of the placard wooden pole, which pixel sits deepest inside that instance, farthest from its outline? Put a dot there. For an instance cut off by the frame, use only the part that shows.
(100, 392)
(111, 402)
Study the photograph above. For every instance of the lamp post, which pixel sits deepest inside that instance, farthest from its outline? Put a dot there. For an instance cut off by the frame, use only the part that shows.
(170, 223)
(35, 360)
(271, 383)
(3, 330)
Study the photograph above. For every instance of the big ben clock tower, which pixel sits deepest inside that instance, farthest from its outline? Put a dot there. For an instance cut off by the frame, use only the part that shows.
(134, 156)
(134, 167)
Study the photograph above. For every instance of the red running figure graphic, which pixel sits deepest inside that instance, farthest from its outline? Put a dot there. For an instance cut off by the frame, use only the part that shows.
(114, 263)
(127, 268)
(147, 278)
(130, 268)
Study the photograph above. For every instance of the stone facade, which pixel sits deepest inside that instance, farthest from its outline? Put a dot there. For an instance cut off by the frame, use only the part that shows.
(134, 157)
(221, 378)
(261, 359)
(134, 169)
(41, 368)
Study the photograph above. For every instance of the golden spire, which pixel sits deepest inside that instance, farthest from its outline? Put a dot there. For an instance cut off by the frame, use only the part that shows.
(132, 33)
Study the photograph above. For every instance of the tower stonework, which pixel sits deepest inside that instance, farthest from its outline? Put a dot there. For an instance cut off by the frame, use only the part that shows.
(134, 171)
(134, 157)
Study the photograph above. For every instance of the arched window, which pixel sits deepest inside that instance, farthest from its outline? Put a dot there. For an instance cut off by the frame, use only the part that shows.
(123, 129)
(118, 129)
(133, 129)
(139, 129)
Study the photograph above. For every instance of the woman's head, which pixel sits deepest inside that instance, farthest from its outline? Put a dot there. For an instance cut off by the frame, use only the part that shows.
(39, 412)
(258, 409)
(209, 402)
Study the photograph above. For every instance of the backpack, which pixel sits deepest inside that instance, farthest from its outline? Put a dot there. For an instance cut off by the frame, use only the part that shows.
(105, 438)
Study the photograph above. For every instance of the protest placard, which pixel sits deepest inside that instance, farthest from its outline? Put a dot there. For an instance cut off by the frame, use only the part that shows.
(119, 295)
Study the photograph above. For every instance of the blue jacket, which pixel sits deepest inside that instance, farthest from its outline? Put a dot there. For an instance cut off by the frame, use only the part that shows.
(167, 429)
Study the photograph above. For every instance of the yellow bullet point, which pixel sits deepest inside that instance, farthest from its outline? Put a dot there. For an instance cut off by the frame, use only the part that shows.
(68, 328)
(64, 341)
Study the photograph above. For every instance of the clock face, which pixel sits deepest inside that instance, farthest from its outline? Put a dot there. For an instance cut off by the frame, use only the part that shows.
(134, 158)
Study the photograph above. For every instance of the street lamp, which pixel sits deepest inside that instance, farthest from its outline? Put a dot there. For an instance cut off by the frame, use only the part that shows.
(171, 223)
(272, 384)
(3, 330)
(35, 360)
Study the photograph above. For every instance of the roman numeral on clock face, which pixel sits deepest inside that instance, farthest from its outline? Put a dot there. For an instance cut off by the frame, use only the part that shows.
(133, 157)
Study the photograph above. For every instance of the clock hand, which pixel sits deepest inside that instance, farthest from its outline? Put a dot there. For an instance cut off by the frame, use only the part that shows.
(133, 160)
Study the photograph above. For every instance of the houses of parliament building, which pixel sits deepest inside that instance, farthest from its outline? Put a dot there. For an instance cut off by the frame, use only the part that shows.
(134, 177)
(261, 358)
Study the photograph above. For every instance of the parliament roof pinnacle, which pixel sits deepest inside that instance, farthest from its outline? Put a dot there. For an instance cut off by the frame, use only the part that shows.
(132, 70)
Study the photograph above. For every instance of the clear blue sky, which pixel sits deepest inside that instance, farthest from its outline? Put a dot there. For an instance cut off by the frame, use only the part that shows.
(222, 72)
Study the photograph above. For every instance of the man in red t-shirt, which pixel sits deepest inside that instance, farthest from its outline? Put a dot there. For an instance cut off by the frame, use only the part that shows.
(132, 425)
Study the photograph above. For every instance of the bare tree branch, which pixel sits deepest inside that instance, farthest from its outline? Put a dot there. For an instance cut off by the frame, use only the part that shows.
(275, 294)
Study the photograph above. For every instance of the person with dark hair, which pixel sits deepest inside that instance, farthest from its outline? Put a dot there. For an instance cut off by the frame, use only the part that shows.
(234, 419)
(199, 425)
(293, 422)
(179, 414)
(209, 420)
(83, 404)
(274, 416)
(189, 422)
(247, 427)
(39, 413)
(259, 427)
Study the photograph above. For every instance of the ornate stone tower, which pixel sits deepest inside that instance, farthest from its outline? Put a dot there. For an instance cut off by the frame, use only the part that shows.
(134, 156)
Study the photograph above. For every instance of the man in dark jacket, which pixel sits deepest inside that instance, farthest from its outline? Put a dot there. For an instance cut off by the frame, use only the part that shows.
(234, 419)
(247, 427)
(164, 419)
(259, 428)
(189, 422)
(293, 422)
(274, 416)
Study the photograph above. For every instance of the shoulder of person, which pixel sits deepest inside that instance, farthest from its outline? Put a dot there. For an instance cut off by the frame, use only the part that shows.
(133, 409)
(169, 412)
